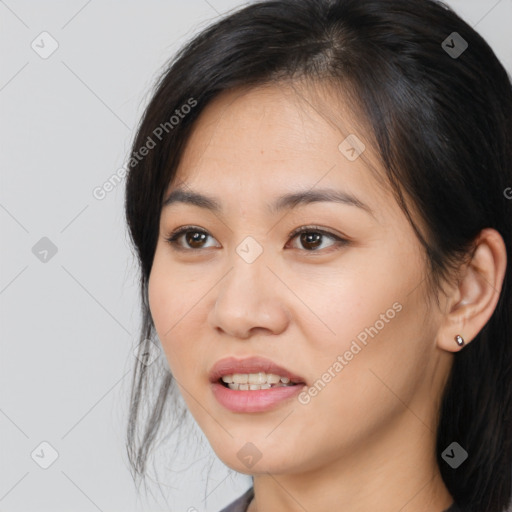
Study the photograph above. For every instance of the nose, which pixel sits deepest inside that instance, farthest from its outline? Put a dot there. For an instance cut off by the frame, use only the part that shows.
(250, 299)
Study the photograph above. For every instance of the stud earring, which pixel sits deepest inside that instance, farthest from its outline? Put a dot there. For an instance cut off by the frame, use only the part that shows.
(460, 340)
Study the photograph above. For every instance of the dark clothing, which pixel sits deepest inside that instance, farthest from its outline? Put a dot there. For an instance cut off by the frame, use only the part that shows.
(241, 504)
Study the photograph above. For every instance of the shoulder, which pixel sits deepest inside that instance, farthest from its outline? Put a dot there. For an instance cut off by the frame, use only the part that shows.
(241, 504)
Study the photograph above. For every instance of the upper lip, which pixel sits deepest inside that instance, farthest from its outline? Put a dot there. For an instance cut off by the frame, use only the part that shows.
(230, 365)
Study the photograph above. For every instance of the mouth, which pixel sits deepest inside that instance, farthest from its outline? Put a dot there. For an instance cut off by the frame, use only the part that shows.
(255, 381)
(252, 374)
(253, 385)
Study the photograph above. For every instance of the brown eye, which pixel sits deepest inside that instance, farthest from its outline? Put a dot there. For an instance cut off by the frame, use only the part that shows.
(194, 238)
(311, 238)
(190, 238)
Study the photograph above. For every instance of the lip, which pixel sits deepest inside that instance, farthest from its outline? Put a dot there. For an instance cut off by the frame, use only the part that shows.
(257, 400)
(230, 365)
(254, 401)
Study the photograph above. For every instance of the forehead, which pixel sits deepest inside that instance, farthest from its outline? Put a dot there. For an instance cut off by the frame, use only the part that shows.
(271, 122)
(276, 138)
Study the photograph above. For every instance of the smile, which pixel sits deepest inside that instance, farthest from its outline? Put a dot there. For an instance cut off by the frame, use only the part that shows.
(255, 381)
(253, 384)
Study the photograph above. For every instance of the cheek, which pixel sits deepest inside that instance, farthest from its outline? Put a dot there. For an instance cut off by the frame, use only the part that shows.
(175, 305)
(352, 305)
(378, 353)
(373, 317)
(164, 304)
(366, 288)
(160, 294)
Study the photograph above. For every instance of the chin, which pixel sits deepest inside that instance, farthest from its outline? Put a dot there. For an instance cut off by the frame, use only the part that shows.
(254, 458)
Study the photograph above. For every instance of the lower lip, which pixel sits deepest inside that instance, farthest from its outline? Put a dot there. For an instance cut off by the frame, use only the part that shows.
(254, 401)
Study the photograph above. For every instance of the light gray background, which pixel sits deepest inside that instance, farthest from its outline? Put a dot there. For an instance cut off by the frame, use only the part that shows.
(69, 325)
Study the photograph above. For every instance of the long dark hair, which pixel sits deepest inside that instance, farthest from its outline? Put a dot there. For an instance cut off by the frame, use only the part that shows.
(440, 115)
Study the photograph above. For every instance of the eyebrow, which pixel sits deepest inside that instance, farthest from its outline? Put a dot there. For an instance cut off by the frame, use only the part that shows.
(286, 201)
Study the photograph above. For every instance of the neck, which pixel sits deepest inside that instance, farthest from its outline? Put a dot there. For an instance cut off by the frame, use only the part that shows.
(400, 474)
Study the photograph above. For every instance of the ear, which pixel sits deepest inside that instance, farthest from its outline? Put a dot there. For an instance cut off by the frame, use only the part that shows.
(472, 300)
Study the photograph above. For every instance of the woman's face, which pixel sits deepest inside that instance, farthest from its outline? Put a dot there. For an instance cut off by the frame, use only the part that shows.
(341, 307)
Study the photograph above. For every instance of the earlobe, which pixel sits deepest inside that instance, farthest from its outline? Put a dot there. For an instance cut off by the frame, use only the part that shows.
(472, 301)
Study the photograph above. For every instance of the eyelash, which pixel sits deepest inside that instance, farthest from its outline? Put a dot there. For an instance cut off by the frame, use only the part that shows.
(176, 234)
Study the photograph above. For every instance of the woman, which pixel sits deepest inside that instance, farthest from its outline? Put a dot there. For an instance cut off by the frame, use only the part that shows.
(318, 199)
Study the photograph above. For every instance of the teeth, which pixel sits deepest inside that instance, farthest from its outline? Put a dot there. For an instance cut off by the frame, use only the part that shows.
(254, 379)
(257, 378)
(239, 378)
(255, 387)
